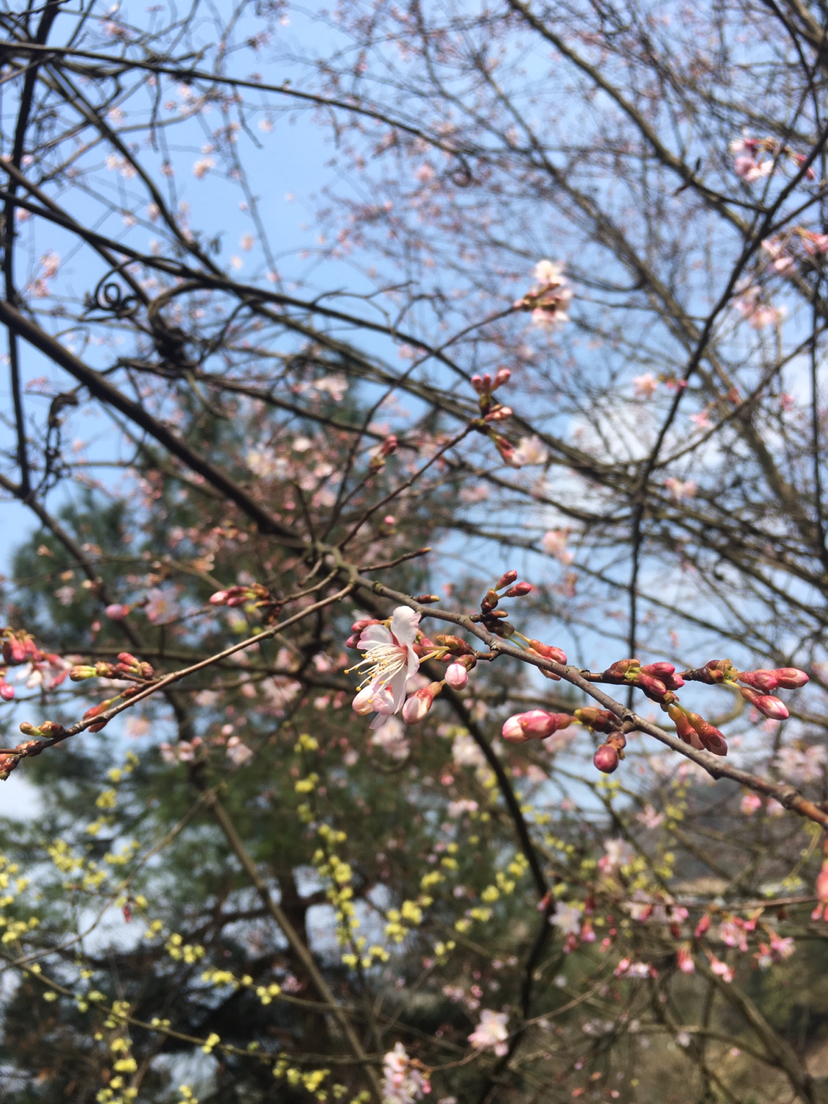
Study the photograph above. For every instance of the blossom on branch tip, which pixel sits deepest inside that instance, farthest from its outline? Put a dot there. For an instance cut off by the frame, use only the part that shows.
(391, 661)
(491, 1032)
(645, 386)
(537, 724)
(402, 1082)
(531, 450)
(606, 759)
(457, 676)
(768, 705)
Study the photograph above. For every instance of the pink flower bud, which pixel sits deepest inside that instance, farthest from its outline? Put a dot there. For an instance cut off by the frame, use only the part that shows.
(652, 687)
(759, 680)
(457, 676)
(606, 759)
(548, 652)
(388, 445)
(771, 707)
(363, 703)
(513, 732)
(684, 730)
(537, 724)
(352, 640)
(500, 415)
(6, 691)
(505, 580)
(503, 376)
(623, 667)
(685, 960)
(117, 612)
(702, 926)
(519, 590)
(790, 678)
(418, 705)
(508, 452)
(659, 670)
(358, 626)
(477, 384)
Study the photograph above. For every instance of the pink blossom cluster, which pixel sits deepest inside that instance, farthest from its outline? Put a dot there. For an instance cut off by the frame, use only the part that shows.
(403, 1082)
(45, 669)
(756, 158)
(548, 299)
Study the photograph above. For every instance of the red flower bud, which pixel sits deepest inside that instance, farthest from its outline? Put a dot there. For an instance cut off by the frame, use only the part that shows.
(767, 704)
(623, 668)
(654, 688)
(759, 680)
(599, 720)
(548, 652)
(506, 580)
(711, 739)
(606, 759)
(518, 591)
(7, 765)
(503, 376)
(702, 926)
(790, 678)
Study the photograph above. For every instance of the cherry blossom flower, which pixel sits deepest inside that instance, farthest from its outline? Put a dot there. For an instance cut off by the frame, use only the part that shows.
(266, 464)
(549, 298)
(750, 170)
(619, 853)
(567, 918)
(530, 450)
(391, 661)
(645, 386)
(649, 817)
(463, 805)
(553, 543)
(203, 166)
(720, 968)
(800, 767)
(402, 1082)
(681, 490)
(162, 606)
(750, 803)
(237, 752)
(757, 313)
(491, 1032)
(390, 736)
(629, 969)
(466, 753)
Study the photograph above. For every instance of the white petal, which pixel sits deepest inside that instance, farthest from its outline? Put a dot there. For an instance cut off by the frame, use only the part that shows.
(404, 624)
(374, 634)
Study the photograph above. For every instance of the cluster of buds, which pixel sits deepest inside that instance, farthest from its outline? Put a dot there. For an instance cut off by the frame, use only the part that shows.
(48, 730)
(493, 411)
(657, 680)
(252, 596)
(549, 299)
(127, 667)
(102, 707)
(492, 618)
(18, 647)
(721, 672)
(754, 157)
